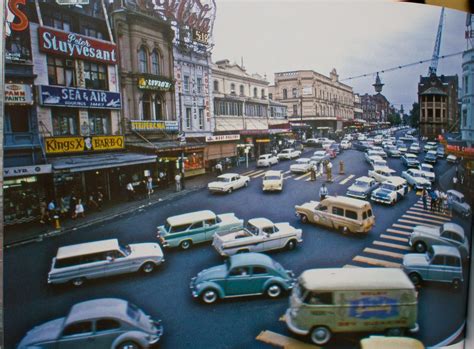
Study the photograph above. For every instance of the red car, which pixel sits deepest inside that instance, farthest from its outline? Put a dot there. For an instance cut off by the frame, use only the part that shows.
(331, 152)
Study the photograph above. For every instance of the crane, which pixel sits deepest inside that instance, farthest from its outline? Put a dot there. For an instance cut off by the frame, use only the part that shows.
(434, 59)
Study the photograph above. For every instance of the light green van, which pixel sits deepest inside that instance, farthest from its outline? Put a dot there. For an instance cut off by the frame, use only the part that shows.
(326, 301)
(191, 228)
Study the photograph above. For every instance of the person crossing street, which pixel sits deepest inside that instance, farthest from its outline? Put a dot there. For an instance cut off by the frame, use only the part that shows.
(323, 192)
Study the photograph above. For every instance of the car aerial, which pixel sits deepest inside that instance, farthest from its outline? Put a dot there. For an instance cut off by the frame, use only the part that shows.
(346, 144)
(266, 160)
(319, 155)
(415, 148)
(100, 323)
(302, 165)
(428, 171)
(260, 234)
(362, 187)
(390, 191)
(381, 174)
(272, 181)
(410, 160)
(288, 154)
(228, 182)
(431, 157)
(449, 234)
(242, 275)
(440, 152)
(441, 263)
(458, 204)
(416, 179)
(393, 152)
(452, 158)
(430, 146)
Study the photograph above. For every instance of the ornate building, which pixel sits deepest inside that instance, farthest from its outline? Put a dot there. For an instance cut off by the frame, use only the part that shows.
(376, 108)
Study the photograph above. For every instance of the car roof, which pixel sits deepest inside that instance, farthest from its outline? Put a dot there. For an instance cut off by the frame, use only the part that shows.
(332, 279)
(345, 200)
(432, 152)
(244, 259)
(446, 250)
(454, 227)
(410, 155)
(87, 248)
(266, 155)
(414, 170)
(396, 180)
(261, 222)
(191, 217)
(303, 159)
(97, 308)
(228, 175)
(273, 173)
(455, 193)
(364, 179)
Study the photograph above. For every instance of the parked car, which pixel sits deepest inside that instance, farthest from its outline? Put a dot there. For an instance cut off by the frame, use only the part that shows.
(242, 275)
(440, 152)
(378, 151)
(346, 144)
(449, 234)
(428, 171)
(410, 160)
(390, 191)
(441, 264)
(416, 179)
(311, 142)
(319, 156)
(301, 165)
(452, 158)
(362, 187)
(458, 204)
(260, 234)
(415, 148)
(100, 323)
(381, 174)
(400, 143)
(431, 156)
(272, 180)
(393, 152)
(92, 260)
(266, 160)
(228, 182)
(369, 154)
(430, 146)
(377, 161)
(288, 154)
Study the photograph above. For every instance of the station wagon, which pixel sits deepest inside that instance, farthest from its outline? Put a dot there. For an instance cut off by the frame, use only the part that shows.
(457, 203)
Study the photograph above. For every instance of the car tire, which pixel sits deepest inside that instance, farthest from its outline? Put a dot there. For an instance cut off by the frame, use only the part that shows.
(415, 278)
(395, 332)
(246, 184)
(420, 247)
(148, 267)
(77, 282)
(274, 290)
(129, 345)
(291, 245)
(229, 191)
(186, 244)
(456, 284)
(320, 335)
(304, 218)
(209, 296)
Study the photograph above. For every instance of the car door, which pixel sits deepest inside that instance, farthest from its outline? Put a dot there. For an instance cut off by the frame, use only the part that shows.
(199, 232)
(210, 227)
(92, 266)
(260, 275)
(106, 331)
(77, 335)
(271, 239)
(437, 268)
(117, 263)
(321, 216)
(238, 281)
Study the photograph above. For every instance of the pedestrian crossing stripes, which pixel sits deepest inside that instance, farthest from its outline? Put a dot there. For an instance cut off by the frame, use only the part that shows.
(412, 212)
(389, 244)
(399, 232)
(282, 341)
(418, 223)
(344, 181)
(422, 219)
(383, 253)
(303, 176)
(395, 238)
(395, 225)
(376, 262)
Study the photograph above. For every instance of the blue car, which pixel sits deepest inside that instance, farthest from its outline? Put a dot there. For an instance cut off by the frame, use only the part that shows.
(431, 157)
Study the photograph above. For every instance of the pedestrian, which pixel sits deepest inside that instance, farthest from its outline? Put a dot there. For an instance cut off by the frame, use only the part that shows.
(149, 186)
(433, 200)
(323, 192)
(130, 191)
(100, 200)
(455, 182)
(320, 170)
(438, 198)
(79, 211)
(51, 208)
(64, 206)
(313, 173)
(219, 168)
(329, 171)
(91, 203)
(72, 205)
(177, 180)
(441, 202)
(43, 211)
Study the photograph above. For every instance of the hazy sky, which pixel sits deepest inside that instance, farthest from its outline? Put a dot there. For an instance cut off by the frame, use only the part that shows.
(355, 37)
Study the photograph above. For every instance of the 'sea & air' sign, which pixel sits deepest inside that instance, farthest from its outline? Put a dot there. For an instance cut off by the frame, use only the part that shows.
(59, 145)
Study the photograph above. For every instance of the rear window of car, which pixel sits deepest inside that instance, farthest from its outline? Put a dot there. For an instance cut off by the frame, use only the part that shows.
(106, 325)
(179, 228)
(351, 214)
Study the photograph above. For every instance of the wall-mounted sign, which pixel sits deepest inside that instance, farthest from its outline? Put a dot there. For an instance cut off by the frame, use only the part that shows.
(262, 140)
(153, 125)
(56, 96)
(76, 45)
(201, 37)
(56, 145)
(72, 2)
(222, 138)
(154, 83)
(18, 94)
(16, 19)
(26, 170)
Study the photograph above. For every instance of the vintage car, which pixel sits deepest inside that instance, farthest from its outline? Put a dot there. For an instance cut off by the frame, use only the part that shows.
(302, 165)
(246, 274)
(336, 147)
(378, 151)
(414, 148)
(369, 154)
(346, 144)
(331, 153)
(260, 234)
(410, 160)
(100, 323)
(327, 143)
(266, 160)
(390, 191)
(311, 142)
(441, 263)
(362, 187)
(430, 146)
(457, 203)
(393, 152)
(272, 181)
(381, 174)
(449, 234)
(428, 171)
(288, 154)
(319, 156)
(416, 179)
(452, 158)
(389, 342)
(377, 161)
(228, 182)
(402, 149)
(440, 152)
(431, 157)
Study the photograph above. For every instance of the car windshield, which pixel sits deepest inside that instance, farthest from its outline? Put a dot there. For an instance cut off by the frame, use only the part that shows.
(388, 186)
(271, 178)
(126, 250)
(379, 163)
(361, 184)
(223, 179)
(302, 161)
(319, 153)
(427, 168)
(263, 157)
(252, 229)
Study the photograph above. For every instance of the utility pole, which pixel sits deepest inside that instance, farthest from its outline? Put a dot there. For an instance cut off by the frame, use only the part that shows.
(182, 141)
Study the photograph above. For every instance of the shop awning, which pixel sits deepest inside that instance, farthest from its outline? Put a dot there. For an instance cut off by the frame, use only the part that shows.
(164, 146)
(99, 161)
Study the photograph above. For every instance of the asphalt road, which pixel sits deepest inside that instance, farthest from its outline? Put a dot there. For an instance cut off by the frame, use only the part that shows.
(232, 323)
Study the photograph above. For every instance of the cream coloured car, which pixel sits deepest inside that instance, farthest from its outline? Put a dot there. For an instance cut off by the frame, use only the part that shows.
(228, 182)
(272, 180)
(381, 174)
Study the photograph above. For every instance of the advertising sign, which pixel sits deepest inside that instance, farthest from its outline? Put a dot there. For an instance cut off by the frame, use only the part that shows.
(58, 145)
(56, 96)
(26, 170)
(223, 138)
(18, 94)
(153, 125)
(154, 83)
(75, 45)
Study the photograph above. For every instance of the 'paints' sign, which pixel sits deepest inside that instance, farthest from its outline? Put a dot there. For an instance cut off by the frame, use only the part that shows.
(18, 94)
(56, 96)
(76, 45)
(59, 145)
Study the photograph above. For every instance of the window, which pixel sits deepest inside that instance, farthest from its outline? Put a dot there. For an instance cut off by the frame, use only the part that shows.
(142, 60)
(58, 20)
(242, 271)
(106, 325)
(255, 92)
(146, 106)
(179, 228)
(259, 270)
(89, 31)
(78, 328)
(186, 83)
(197, 225)
(270, 95)
(232, 88)
(464, 118)
(318, 298)
(242, 90)
(268, 230)
(155, 63)
(369, 213)
(96, 76)
(99, 122)
(294, 92)
(64, 122)
(17, 119)
(338, 211)
(201, 119)
(211, 221)
(17, 46)
(351, 214)
(438, 260)
(158, 108)
(60, 71)
(295, 109)
(262, 92)
(199, 85)
(452, 261)
(216, 86)
(188, 118)
(285, 93)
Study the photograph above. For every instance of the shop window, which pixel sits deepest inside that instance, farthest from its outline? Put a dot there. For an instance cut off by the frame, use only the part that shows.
(199, 85)
(194, 161)
(21, 197)
(96, 76)
(186, 83)
(99, 122)
(60, 71)
(201, 119)
(64, 122)
(216, 86)
(155, 62)
(17, 119)
(58, 20)
(17, 46)
(142, 60)
(188, 118)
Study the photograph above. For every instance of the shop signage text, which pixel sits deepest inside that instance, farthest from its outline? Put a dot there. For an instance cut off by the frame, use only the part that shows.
(78, 97)
(18, 94)
(151, 125)
(76, 45)
(19, 20)
(72, 2)
(262, 140)
(159, 84)
(222, 138)
(460, 150)
(199, 36)
(26, 170)
(56, 145)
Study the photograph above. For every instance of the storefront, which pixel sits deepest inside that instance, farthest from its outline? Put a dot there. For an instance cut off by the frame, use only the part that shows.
(260, 139)
(221, 148)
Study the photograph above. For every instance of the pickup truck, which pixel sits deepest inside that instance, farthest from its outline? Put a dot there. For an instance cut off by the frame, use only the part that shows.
(259, 235)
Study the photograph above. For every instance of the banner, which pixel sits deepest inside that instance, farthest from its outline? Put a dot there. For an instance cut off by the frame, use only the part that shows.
(152, 125)
(223, 138)
(60, 145)
(56, 96)
(18, 94)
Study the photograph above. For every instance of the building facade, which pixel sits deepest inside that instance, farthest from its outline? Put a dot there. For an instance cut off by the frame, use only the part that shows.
(467, 111)
(375, 108)
(437, 96)
(314, 99)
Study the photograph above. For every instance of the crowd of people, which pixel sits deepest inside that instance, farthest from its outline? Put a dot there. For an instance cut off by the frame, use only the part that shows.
(439, 200)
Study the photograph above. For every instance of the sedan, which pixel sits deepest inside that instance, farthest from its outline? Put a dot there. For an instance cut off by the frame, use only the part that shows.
(416, 179)
(393, 152)
(319, 156)
(410, 160)
(452, 158)
(362, 187)
(431, 157)
(266, 160)
(346, 144)
(228, 182)
(302, 165)
(415, 148)
(440, 152)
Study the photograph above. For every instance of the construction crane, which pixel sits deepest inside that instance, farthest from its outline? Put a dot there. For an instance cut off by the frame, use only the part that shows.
(434, 59)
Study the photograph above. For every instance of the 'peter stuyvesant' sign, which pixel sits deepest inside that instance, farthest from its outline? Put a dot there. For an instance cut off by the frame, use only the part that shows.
(56, 96)
(75, 45)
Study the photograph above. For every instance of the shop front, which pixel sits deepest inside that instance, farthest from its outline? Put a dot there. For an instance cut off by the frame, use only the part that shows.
(221, 148)
(260, 139)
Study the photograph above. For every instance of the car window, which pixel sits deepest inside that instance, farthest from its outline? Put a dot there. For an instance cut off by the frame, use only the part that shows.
(240, 271)
(455, 237)
(452, 261)
(364, 215)
(268, 230)
(338, 211)
(180, 228)
(351, 214)
(113, 254)
(318, 298)
(106, 325)
(211, 221)
(438, 260)
(322, 208)
(369, 213)
(259, 270)
(197, 225)
(77, 328)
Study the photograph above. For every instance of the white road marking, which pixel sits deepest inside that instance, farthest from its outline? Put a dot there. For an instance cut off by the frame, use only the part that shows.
(377, 262)
(282, 341)
(402, 226)
(418, 223)
(388, 244)
(346, 180)
(351, 266)
(410, 211)
(399, 232)
(383, 253)
(395, 238)
(302, 176)
(422, 219)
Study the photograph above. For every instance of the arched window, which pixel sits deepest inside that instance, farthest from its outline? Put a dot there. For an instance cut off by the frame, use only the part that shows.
(285, 93)
(262, 92)
(155, 62)
(294, 92)
(232, 88)
(241, 90)
(142, 60)
(216, 86)
(255, 93)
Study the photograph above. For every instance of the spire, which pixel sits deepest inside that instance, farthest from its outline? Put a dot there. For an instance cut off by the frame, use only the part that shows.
(378, 84)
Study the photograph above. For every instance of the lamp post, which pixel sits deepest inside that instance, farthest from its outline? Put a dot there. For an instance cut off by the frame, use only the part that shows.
(301, 116)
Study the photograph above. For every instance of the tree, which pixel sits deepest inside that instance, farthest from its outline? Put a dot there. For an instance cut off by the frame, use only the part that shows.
(415, 115)
(394, 119)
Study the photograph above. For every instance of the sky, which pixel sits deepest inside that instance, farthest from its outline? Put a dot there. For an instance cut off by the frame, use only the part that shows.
(355, 37)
